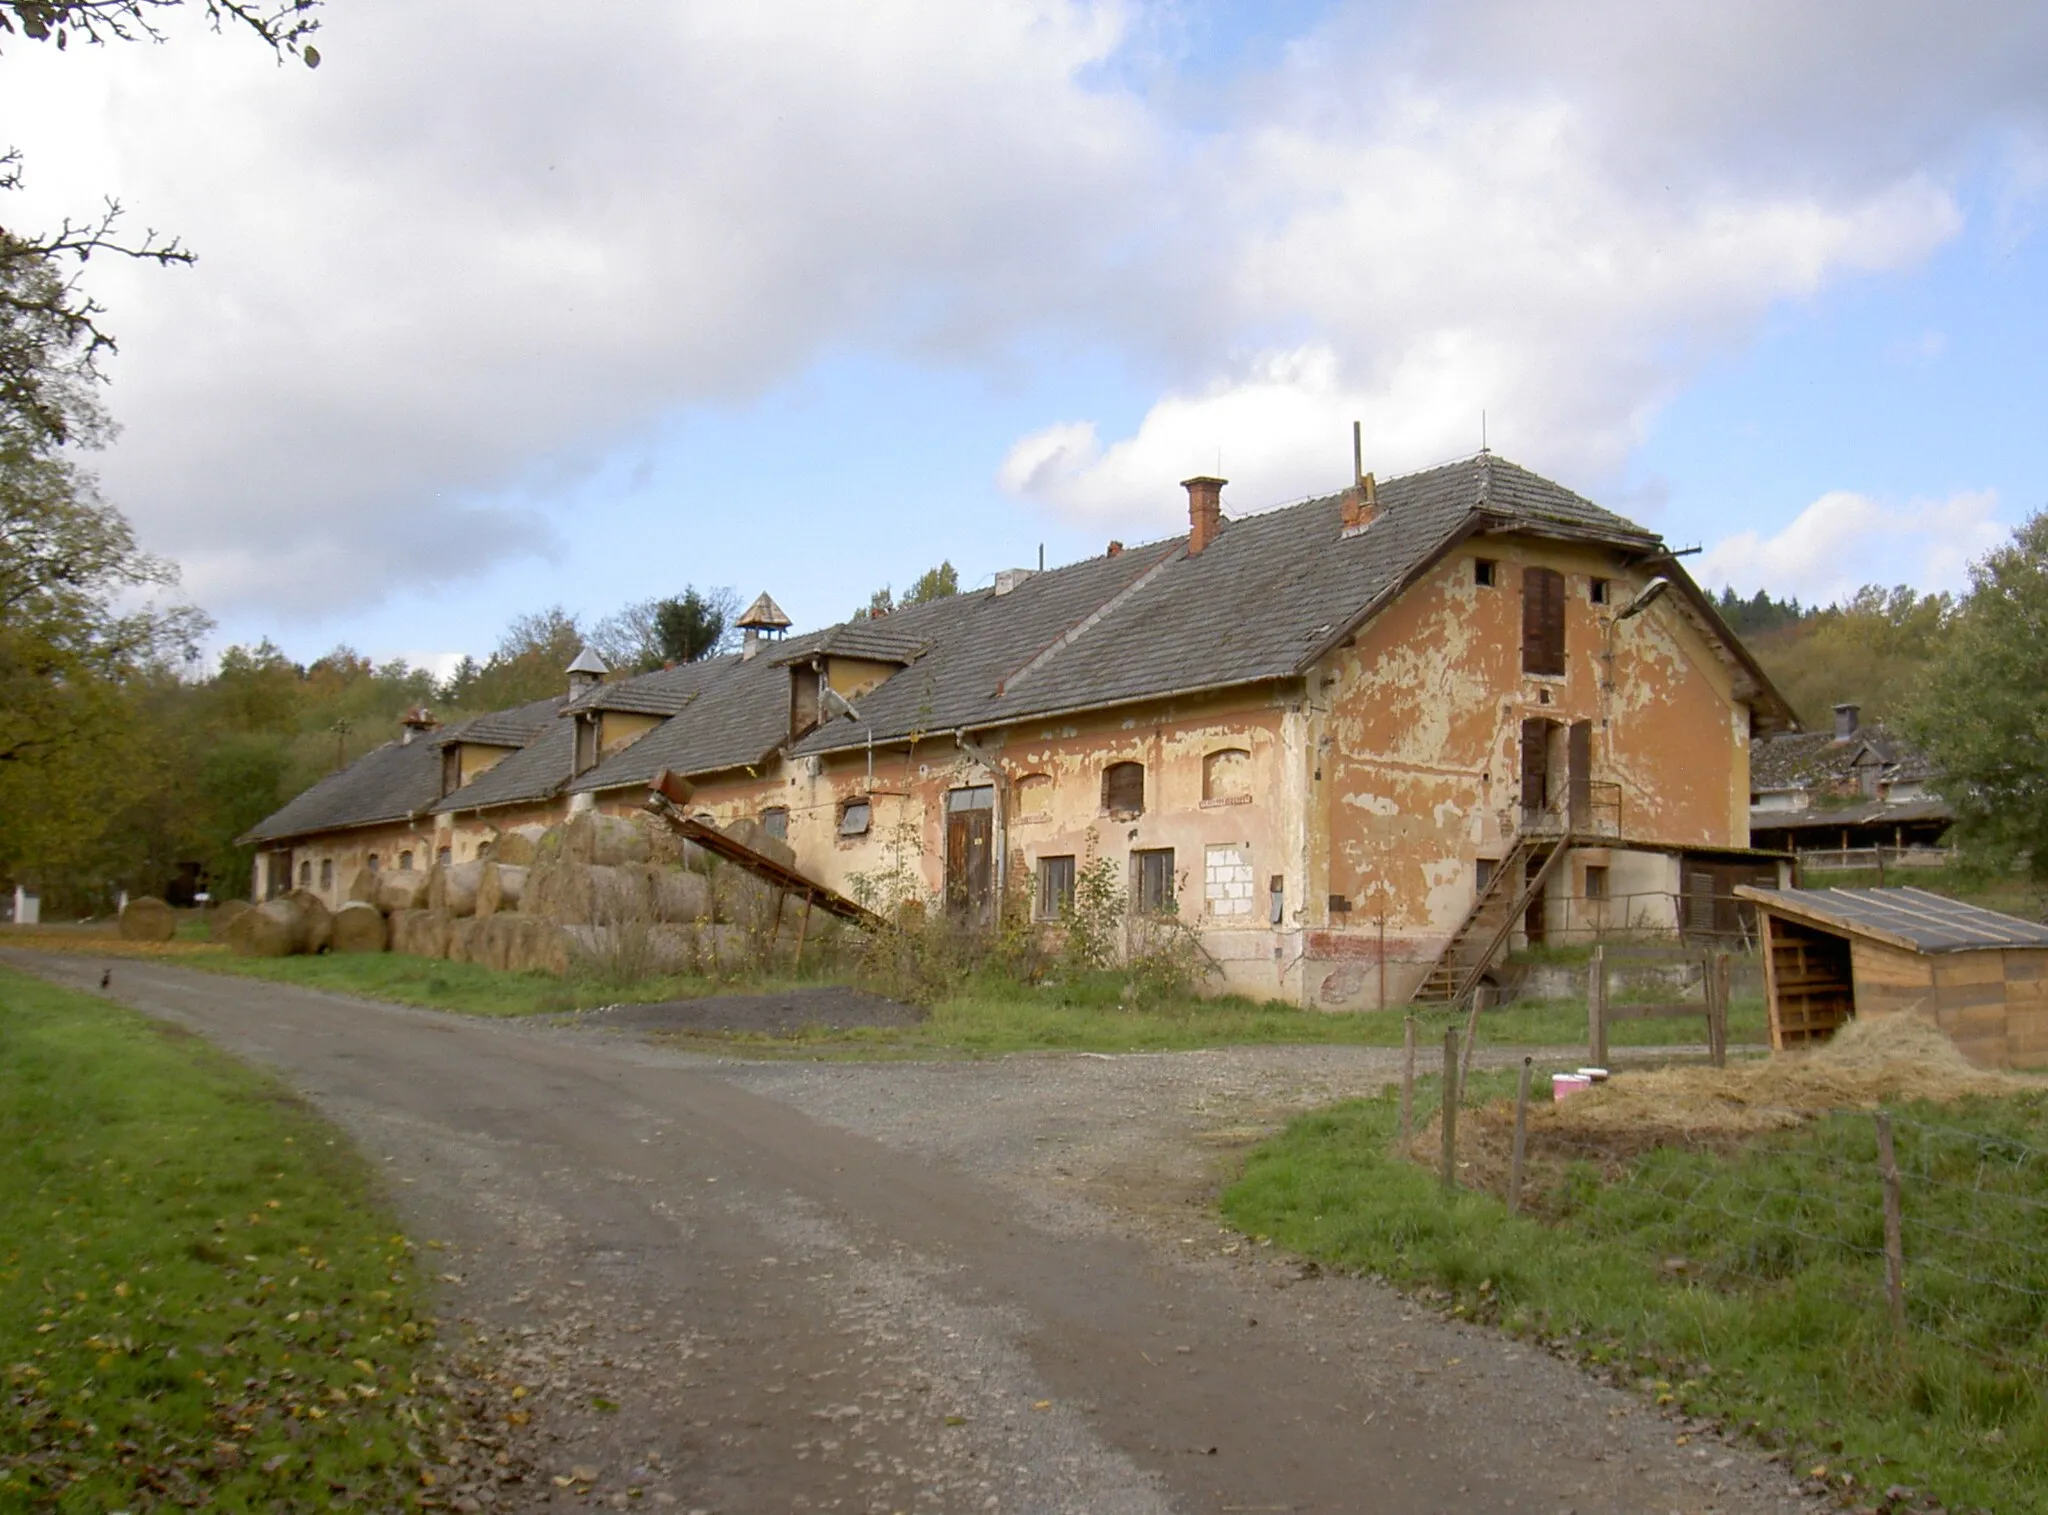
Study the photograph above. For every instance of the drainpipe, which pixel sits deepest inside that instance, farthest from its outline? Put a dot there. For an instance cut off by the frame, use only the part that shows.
(1002, 828)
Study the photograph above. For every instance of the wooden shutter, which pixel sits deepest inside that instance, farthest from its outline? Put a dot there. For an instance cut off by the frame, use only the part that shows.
(1542, 621)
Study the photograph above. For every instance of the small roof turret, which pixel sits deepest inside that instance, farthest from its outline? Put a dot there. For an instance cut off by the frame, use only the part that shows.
(763, 615)
(586, 673)
(763, 618)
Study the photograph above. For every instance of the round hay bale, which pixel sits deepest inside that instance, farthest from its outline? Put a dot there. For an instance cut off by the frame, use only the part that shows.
(148, 919)
(401, 889)
(500, 887)
(517, 846)
(275, 928)
(462, 942)
(452, 887)
(319, 919)
(678, 896)
(540, 947)
(419, 933)
(362, 885)
(605, 840)
(223, 915)
(359, 927)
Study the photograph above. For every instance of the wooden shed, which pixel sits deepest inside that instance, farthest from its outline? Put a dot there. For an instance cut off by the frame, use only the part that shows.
(1830, 954)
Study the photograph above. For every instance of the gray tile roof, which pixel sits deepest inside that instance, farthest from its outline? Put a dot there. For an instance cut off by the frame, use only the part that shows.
(391, 783)
(638, 696)
(537, 771)
(400, 779)
(505, 728)
(1264, 600)
(740, 715)
(1910, 917)
(1809, 759)
(878, 641)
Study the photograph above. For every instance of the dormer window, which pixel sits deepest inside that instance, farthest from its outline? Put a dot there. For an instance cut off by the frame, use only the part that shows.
(586, 743)
(451, 768)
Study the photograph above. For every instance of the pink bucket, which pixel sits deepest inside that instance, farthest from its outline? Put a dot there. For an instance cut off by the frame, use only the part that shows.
(1565, 1085)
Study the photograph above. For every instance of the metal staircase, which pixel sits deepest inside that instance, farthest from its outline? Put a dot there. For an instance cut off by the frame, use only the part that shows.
(1510, 891)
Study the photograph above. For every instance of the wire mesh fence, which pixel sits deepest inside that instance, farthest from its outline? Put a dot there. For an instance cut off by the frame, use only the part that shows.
(1928, 1223)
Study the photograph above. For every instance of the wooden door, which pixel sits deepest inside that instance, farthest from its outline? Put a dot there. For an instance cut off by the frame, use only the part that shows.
(970, 855)
(1579, 759)
(1535, 768)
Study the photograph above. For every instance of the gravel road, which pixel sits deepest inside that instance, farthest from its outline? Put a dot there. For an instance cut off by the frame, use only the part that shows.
(736, 1286)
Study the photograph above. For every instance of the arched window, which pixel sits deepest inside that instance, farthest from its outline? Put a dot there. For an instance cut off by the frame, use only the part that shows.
(1123, 789)
(405, 862)
(444, 855)
(1034, 796)
(327, 873)
(371, 862)
(1227, 776)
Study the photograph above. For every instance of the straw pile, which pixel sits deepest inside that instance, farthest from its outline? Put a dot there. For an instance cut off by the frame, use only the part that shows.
(223, 915)
(1871, 1061)
(452, 887)
(281, 927)
(148, 919)
(499, 887)
(516, 846)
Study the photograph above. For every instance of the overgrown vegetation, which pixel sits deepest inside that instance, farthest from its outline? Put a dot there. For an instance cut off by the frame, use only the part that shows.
(202, 1303)
(1746, 1287)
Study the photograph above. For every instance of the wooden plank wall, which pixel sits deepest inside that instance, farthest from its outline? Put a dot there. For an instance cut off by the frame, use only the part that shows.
(1809, 982)
(2026, 1008)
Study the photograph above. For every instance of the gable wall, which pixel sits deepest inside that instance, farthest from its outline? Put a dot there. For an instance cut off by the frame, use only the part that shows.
(1417, 755)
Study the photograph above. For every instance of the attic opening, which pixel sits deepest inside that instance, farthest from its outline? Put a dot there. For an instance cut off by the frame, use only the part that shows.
(1543, 622)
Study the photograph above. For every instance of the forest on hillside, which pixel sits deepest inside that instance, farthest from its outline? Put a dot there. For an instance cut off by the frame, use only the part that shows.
(1873, 650)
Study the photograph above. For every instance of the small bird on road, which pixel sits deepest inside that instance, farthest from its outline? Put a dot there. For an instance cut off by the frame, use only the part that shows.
(107, 978)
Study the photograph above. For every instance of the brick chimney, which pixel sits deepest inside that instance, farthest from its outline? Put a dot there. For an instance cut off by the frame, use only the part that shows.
(1205, 511)
(1361, 504)
(1116, 548)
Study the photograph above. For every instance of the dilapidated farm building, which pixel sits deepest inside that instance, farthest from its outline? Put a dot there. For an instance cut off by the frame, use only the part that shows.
(1362, 743)
(1858, 796)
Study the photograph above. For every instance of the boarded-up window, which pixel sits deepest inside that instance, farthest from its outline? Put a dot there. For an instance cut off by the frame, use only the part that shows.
(1153, 885)
(1055, 887)
(1123, 789)
(1227, 776)
(1542, 621)
(1034, 796)
(855, 816)
(1227, 880)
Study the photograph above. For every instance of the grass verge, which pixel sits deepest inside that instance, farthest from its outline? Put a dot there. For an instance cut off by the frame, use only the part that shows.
(989, 1017)
(1741, 1287)
(201, 1302)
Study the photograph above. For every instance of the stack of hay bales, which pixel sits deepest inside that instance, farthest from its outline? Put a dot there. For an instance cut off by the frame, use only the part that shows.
(622, 893)
(148, 919)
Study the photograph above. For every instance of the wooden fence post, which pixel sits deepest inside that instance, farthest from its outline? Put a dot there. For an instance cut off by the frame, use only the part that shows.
(1596, 1008)
(1407, 1084)
(1717, 1009)
(1450, 1107)
(1521, 1147)
(1482, 996)
(1894, 1225)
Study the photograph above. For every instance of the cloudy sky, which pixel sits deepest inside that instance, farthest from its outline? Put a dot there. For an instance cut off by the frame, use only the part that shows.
(511, 304)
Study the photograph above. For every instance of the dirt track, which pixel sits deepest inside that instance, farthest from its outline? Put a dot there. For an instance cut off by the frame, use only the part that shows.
(742, 1287)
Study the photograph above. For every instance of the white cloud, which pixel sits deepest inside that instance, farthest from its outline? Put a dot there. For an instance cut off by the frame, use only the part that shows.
(1844, 540)
(486, 241)
(490, 242)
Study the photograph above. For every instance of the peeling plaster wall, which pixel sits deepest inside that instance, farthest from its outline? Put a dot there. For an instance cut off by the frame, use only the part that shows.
(349, 851)
(1416, 735)
(1048, 778)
